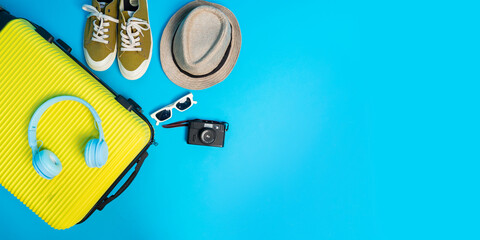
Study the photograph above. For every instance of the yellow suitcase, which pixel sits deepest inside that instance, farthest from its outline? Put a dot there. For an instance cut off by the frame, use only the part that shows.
(34, 68)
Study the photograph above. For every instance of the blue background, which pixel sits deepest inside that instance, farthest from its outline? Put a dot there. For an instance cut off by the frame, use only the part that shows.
(349, 120)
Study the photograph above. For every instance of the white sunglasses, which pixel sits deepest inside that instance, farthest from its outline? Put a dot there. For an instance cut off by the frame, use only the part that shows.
(165, 113)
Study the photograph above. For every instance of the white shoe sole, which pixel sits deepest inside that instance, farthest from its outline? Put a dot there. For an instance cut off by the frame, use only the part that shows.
(101, 65)
(142, 69)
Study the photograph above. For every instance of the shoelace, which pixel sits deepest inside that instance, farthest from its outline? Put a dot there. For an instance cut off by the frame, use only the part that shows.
(100, 30)
(131, 40)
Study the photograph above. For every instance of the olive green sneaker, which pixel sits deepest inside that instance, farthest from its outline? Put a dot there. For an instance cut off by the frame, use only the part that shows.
(100, 37)
(134, 38)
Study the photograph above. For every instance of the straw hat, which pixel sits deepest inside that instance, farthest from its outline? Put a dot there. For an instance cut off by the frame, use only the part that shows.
(200, 45)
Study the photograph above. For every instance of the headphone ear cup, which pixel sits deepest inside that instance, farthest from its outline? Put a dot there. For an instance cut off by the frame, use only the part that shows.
(96, 153)
(47, 164)
(101, 153)
(90, 153)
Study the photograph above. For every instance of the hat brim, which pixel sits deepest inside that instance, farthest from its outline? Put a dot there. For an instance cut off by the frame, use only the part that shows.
(166, 58)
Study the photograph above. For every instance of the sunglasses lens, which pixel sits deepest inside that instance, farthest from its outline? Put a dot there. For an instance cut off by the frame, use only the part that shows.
(163, 115)
(184, 105)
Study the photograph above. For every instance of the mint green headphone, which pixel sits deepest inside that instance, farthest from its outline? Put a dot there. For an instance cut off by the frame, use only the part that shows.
(45, 162)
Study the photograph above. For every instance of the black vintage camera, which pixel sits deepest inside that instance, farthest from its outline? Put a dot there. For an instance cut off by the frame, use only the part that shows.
(207, 133)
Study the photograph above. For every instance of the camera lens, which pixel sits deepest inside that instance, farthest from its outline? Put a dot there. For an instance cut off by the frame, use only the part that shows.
(207, 136)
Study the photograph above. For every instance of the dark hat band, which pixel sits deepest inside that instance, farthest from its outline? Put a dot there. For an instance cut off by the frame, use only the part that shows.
(220, 65)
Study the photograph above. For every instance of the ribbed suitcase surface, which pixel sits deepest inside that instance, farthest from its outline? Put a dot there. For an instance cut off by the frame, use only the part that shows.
(31, 72)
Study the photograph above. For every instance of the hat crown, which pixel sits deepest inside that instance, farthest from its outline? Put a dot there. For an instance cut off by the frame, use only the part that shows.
(202, 40)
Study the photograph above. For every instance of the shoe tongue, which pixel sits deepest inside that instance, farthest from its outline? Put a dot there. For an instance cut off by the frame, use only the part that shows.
(102, 5)
(126, 15)
(130, 13)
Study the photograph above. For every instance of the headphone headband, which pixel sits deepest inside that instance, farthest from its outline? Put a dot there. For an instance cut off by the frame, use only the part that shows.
(32, 127)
